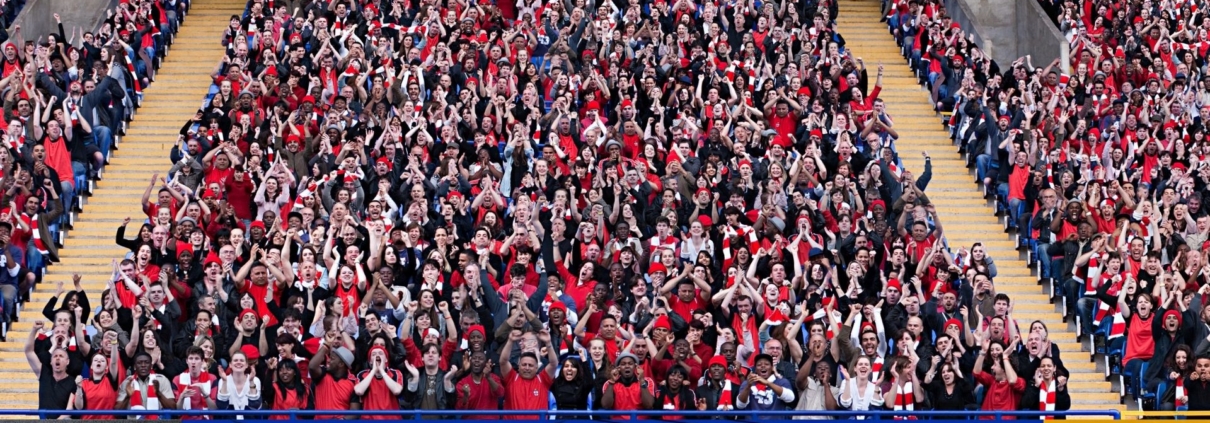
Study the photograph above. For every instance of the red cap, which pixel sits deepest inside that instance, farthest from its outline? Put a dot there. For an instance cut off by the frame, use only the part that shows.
(627, 103)
(894, 283)
(250, 351)
(744, 162)
(662, 322)
(308, 99)
(477, 328)
(472, 80)
(211, 258)
(257, 224)
(293, 139)
(817, 133)
(246, 312)
(805, 90)
(705, 221)
(387, 161)
(1181, 166)
(657, 267)
(592, 105)
(868, 326)
(717, 360)
(954, 322)
(182, 247)
(370, 353)
(877, 203)
(557, 305)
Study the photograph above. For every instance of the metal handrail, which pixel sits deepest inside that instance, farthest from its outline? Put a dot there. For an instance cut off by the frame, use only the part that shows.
(548, 414)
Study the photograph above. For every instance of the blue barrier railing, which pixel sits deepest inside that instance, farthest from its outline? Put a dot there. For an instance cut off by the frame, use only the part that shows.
(564, 415)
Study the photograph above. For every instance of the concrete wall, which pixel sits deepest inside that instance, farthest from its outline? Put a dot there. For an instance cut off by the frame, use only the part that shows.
(1010, 29)
(37, 18)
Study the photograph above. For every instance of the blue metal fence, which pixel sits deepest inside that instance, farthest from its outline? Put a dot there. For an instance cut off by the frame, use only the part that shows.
(542, 415)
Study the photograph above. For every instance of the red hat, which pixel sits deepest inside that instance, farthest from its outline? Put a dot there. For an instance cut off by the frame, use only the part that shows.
(627, 103)
(477, 328)
(482, 39)
(705, 221)
(183, 247)
(308, 99)
(955, 25)
(370, 352)
(1119, 53)
(1005, 117)
(804, 90)
(293, 139)
(472, 80)
(877, 203)
(454, 193)
(272, 70)
(592, 105)
(557, 305)
(209, 193)
(1173, 312)
(867, 325)
(717, 360)
(1181, 166)
(350, 178)
(251, 351)
(894, 283)
(246, 312)
(701, 190)
(662, 322)
(954, 322)
(745, 162)
(817, 133)
(657, 267)
(211, 258)
(387, 161)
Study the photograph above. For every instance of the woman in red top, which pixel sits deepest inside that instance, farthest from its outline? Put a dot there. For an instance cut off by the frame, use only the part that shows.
(1003, 389)
(289, 392)
(1141, 327)
(99, 391)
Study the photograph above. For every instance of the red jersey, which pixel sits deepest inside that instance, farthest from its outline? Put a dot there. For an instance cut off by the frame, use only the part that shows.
(481, 395)
(99, 396)
(206, 385)
(526, 394)
(335, 395)
(378, 396)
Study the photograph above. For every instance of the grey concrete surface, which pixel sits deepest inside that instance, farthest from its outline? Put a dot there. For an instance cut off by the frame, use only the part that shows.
(37, 18)
(1009, 29)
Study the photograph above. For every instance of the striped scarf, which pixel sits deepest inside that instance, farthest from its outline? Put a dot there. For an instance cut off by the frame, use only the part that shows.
(1180, 392)
(1046, 398)
(905, 400)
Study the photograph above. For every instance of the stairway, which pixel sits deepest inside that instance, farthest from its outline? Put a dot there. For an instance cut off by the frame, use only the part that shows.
(966, 216)
(181, 84)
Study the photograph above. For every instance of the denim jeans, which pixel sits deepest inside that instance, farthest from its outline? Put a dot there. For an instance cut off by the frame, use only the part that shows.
(9, 296)
(103, 136)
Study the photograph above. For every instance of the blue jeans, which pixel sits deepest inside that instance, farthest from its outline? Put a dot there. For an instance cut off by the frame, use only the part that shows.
(1044, 259)
(103, 136)
(1015, 206)
(9, 295)
(984, 163)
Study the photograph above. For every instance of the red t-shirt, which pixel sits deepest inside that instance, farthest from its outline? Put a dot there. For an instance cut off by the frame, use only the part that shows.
(336, 395)
(378, 396)
(1000, 396)
(207, 387)
(685, 309)
(627, 398)
(481, 397)
(99, 396)
(526, 394)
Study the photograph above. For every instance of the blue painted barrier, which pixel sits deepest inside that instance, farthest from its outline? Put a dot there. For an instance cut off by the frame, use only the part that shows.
(572, 416)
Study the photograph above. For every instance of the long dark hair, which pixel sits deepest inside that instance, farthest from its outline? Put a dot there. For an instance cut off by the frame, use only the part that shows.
(295, 385)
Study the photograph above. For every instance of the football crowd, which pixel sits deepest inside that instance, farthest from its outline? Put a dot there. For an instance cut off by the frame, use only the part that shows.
(646, 205)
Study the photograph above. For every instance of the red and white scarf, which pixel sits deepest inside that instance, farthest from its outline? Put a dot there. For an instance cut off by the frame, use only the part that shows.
(905, 400)
(1180, 392)
(1046, 398)
(204, 381)
(39, 244)
(724, 397)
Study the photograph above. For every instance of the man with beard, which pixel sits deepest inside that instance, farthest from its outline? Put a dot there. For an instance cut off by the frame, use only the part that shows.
(144, 390)
(764, 390)
(333, 382)
(627, 388)
(431, 388)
